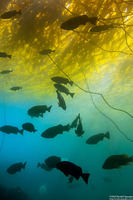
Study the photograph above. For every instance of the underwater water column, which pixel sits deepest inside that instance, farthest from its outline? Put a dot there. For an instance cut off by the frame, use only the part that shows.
(66, 93)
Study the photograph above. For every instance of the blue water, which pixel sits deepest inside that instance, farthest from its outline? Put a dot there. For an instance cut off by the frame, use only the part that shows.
(31, 147)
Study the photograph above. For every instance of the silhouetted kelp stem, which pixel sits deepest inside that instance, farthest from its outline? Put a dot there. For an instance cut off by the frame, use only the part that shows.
(88, 91)
(4, 118)
(123, 26)
(103, 113)
(66, 8)
(111, 51)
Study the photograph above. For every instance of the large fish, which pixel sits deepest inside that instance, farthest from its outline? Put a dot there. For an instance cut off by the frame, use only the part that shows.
(75, 22)
(63, 89)
(16, 168)
(71, 169)
(75, 121)
(101, 28)
(5, 55)
(10, 129)
(10, 14)
(115, 161)
(96, 138)
(38, 111)
(55, 130)
(29, 127)
(61, 80)
(79, 131)
(61, 103)
(6, 71)
(46, 51)
(52, 161)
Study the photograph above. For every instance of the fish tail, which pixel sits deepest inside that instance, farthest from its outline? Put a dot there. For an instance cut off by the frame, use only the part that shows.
(72, 94)
(107, 135)
(85, 177)
(71, 83)
(19, 12)
(24, 165)
(21, 131)
(92, 20)
(49, 108)
(131, 159)
(38, 164)
(9, 56)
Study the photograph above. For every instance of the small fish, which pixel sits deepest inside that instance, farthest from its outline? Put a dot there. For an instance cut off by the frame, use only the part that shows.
(75, 121)
(29, 127)
(63, 89)
(10, 14)
(5, 55)
(55, 130)
(71, 169)
(10, 129)
(115, 161)
(101, 28)
(61, 80)
(61, 103)
(46, 51)
(75, 22)
(52, 161)
(16, 168)
(6, 71)
(96, 138)
(16, 88)
(79, 131)
(43, 166)
(38, 111)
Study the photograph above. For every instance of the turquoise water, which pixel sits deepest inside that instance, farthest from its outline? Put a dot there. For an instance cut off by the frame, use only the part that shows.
(31, 147)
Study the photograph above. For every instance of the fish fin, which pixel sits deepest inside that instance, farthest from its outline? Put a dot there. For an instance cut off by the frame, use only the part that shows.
(9, 56)
(35, 130)
(92, 20)
(72, 94)
(49, 108)
(127, 164)
(53, 51)
(107, 135)
(41, 115)
(24, 165)
(21, 131)
(85, 177)
(38, 164)
(19, 12)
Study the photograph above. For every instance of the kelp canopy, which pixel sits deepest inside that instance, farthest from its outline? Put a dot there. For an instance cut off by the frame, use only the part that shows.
(104, 58)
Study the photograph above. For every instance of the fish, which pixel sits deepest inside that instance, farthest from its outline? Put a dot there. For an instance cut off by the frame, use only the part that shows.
(63, 89)
(69, 168)
(52, 161)
(16, 88)
(115, 161)
(75, 121)
(61, 103)
(61, 80)
(5, 55)
(6, 71)
(101, 28)
(96, 138)
(16, 168)
(75, 22)
(44, 166)
(38, 111)
(28, 127)
(46, 51)
(55, 130)
(10, 129)
(10, 14)
(79, 131)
